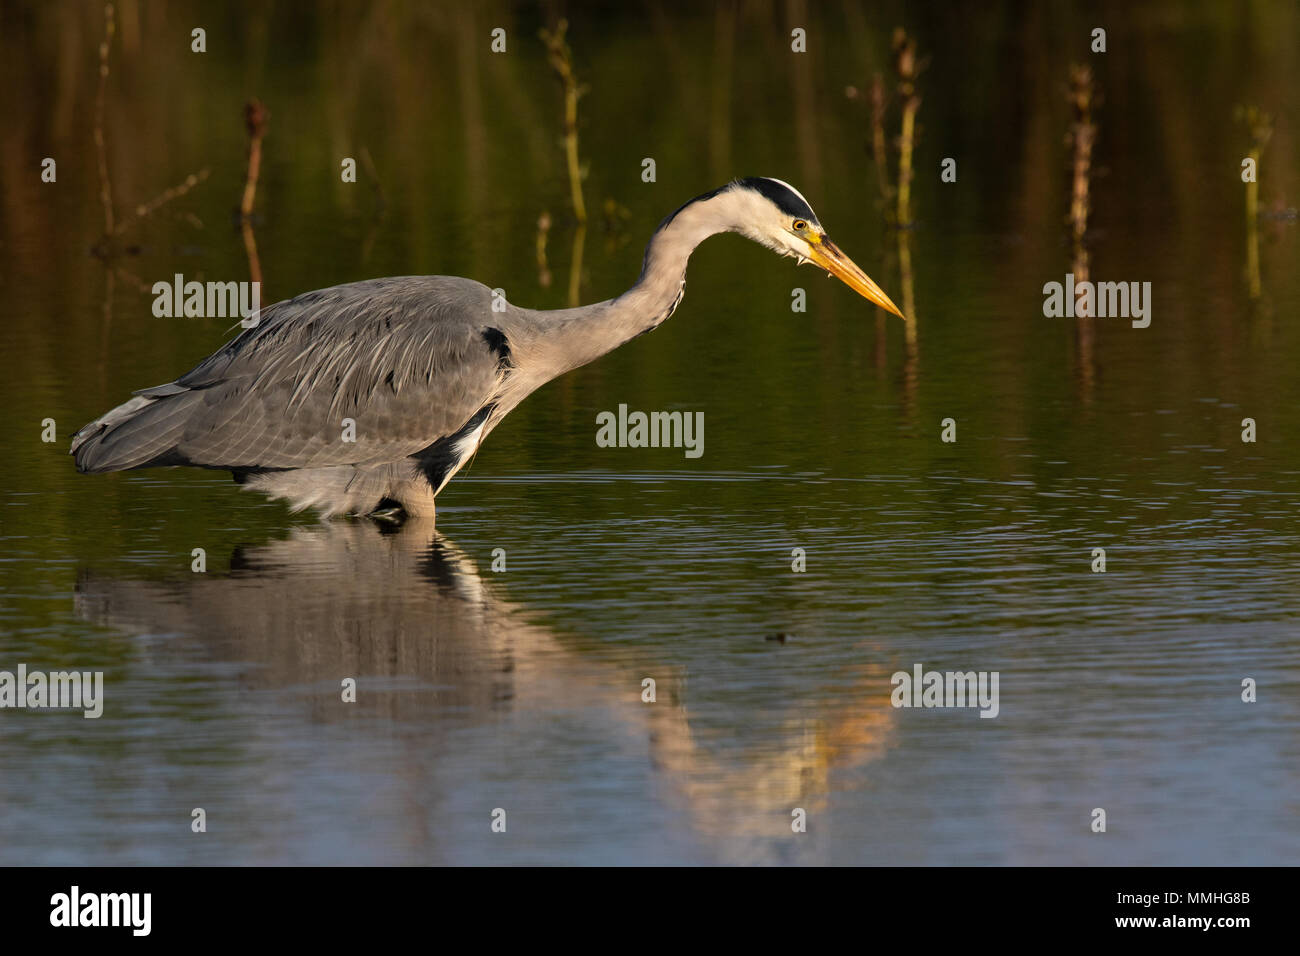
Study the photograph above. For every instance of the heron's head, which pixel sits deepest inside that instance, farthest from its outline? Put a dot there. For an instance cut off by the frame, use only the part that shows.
(776, 215)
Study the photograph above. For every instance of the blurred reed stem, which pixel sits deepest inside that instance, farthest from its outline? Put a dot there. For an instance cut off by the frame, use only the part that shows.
(1260, 125)
(255, 119)
(907, 68)
(561, 60)
(101, 153)
(1082, 97)
(543, 231)
(878, 137)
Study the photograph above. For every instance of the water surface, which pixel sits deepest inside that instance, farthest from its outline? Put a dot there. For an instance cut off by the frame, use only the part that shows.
(522, 689)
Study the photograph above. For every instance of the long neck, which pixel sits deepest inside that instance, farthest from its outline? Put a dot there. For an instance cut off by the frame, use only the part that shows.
(574, 337)
(662, 284)
(550, 344)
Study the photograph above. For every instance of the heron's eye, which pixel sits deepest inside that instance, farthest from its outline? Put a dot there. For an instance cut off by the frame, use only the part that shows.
(800, 225)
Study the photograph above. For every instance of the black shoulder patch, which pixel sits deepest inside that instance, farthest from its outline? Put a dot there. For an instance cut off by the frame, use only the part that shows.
(500, 345)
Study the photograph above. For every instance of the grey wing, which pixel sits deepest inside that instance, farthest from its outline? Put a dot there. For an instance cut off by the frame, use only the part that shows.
(358, 374)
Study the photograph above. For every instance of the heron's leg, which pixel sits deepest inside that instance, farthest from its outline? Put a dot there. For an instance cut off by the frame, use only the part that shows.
(415, 497)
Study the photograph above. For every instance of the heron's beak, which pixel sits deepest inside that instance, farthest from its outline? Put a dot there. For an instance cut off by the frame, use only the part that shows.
(828, 256)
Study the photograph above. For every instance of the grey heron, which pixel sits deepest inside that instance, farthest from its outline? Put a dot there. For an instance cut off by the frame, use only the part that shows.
(424, 367)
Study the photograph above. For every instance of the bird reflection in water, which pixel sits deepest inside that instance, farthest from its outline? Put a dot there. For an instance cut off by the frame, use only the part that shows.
(438, 652)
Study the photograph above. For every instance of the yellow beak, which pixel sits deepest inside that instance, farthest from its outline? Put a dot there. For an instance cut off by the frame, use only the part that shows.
(828, 256)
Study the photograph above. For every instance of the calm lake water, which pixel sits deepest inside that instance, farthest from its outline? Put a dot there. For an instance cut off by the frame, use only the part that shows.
(521, 689)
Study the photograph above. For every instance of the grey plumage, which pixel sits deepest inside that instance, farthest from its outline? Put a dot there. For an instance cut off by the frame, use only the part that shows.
(403, 358)
(422, 366)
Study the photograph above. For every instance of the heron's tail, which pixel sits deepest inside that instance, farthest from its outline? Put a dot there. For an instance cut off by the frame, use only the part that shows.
(136, 434)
